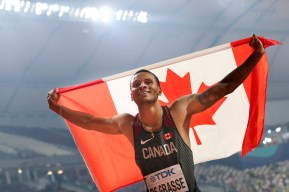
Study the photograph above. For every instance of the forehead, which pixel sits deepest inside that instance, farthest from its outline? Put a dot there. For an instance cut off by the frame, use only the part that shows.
(142, 76)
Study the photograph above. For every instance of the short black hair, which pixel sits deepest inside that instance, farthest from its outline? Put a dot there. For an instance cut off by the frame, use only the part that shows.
(147, 71)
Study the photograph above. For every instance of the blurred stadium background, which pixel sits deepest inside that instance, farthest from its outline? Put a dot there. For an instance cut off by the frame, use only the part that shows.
(47, 44)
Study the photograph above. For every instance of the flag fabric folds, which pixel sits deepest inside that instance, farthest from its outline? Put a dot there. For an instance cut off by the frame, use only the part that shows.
(233, 124)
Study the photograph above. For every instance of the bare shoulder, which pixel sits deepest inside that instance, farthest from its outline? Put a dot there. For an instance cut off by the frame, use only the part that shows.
(187, 104)
(178, 109)
(182, 112)
(125, 123)
(124, 119)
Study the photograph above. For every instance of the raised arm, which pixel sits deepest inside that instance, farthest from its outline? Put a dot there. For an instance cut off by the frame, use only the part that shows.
(113, 125)
(199, 102)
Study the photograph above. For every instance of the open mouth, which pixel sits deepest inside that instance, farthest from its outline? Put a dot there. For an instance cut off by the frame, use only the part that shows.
(143, 92)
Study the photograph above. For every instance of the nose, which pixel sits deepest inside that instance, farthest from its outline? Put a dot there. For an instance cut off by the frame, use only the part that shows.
(142, 85)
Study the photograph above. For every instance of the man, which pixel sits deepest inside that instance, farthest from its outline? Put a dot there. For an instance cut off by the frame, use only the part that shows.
(160, 135)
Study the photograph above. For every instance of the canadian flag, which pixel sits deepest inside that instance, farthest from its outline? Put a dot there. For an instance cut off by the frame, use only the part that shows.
(233, 124)
(168, 136)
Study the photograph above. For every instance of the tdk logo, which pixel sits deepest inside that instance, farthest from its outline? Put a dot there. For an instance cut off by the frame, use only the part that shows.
(162, 175)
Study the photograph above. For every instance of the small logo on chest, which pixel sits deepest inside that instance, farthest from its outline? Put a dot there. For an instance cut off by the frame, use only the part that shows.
(168, 136)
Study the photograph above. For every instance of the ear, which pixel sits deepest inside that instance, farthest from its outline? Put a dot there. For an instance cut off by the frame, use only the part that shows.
(131, 97)
(160, 91)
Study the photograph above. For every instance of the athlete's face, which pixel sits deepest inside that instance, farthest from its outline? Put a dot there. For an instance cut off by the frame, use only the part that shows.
(144, 88)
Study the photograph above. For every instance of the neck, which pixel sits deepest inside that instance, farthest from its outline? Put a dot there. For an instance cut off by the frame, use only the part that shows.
(150, 116)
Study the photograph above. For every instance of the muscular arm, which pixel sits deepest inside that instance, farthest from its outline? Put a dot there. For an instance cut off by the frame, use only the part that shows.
(228, 84)
(184, 107)
(113, 125)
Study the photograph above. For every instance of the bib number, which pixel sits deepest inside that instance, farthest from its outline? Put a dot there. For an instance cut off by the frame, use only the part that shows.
(167, 180)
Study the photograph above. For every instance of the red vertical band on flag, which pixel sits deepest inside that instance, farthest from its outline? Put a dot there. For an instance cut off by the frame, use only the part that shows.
(255, 87)
(109, 158)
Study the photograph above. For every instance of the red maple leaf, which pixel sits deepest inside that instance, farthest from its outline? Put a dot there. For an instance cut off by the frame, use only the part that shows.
(176, 86)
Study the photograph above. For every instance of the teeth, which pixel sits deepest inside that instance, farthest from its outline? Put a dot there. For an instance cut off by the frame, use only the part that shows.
(143, 92)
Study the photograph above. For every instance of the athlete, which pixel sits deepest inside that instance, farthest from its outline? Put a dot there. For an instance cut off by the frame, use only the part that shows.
(160, 135)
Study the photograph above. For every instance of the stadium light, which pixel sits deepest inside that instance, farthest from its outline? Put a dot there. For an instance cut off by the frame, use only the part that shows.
(20, 171)
(53, 9)
(26, 6)
(278, 129)
(103, 14)
(142, 17)
(267, 140)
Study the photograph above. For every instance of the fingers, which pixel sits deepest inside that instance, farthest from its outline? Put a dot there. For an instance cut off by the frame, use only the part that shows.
(53, 94)
(254, 39)
(53, 91)
(257, 44)
(49, 94)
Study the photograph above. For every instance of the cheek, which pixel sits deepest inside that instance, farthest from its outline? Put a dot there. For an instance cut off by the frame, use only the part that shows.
(133, 93)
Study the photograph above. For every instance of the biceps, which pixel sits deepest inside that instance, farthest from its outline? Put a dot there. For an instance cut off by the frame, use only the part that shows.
(104, 125)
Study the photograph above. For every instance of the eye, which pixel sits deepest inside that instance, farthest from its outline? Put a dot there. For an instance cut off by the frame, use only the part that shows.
(136, 84)
(148, 82)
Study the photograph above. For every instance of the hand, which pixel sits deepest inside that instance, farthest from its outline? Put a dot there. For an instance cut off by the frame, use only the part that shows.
(257, 45)
(52, 98)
